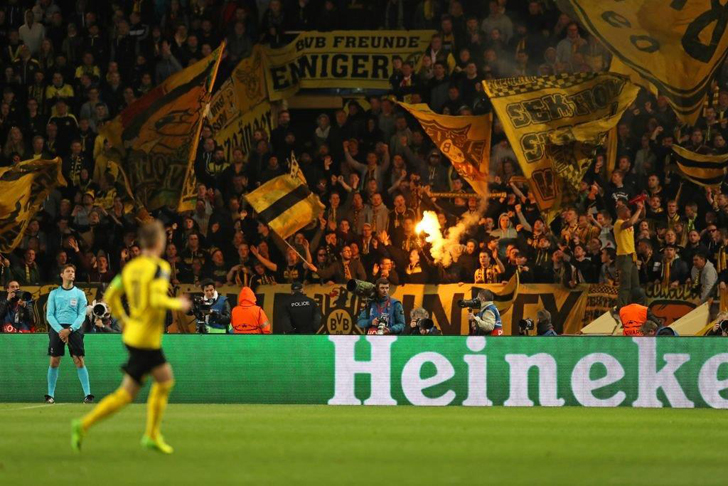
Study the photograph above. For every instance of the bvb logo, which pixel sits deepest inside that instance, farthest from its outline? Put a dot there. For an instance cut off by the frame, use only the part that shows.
(339, 322)
(452, 151)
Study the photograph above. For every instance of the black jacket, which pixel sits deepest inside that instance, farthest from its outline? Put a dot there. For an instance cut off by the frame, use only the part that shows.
(301, 315)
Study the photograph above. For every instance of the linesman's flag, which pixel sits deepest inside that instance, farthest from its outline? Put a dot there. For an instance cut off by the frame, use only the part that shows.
(156, 136)
(286, 203)
(23, 189)
(705, 170)
(465, 140)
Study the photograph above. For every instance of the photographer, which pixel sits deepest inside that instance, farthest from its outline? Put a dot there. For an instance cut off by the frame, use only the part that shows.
(544, 326)
(99, 320)
(16, 309)
(301, 314)
(211, 311)
(421, 324)
(487, 321)
(720, 328)
(383, 315)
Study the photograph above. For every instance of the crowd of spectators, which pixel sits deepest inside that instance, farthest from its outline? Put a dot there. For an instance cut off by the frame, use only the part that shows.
(70, 66)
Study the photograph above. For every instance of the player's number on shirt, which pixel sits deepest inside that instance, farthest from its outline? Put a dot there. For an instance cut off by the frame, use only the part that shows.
(136, 289)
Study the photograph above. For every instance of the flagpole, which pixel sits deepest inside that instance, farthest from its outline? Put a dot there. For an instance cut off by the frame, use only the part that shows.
(196, 140)
(292, 248)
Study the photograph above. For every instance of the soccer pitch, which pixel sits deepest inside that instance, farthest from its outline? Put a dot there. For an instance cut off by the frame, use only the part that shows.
(376, 446)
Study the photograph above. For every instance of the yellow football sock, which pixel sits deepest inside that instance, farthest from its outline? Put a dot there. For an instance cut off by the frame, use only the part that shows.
(156, 403)
(110, 404)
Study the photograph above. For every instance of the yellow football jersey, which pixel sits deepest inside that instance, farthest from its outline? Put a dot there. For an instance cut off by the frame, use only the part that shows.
(145, 282)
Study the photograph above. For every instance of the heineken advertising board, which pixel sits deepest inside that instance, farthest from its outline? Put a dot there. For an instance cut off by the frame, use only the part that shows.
(389, 370)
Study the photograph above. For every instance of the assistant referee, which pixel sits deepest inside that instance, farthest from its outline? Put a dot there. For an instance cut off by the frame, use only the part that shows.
(65, 314)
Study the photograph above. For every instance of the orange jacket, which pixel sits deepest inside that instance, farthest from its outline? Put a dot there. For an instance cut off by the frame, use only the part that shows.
(248, 318)
(632, 317)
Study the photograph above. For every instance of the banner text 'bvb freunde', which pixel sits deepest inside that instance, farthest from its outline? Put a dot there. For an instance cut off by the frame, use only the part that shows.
(340, 59)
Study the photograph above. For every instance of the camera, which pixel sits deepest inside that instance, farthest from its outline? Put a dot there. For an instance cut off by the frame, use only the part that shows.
(201, 310)
(383, 323)
(100, 310)
(525, 325)
(21, 295)
(724, 326)
(362, 288)
(426, 323)
(470, 304)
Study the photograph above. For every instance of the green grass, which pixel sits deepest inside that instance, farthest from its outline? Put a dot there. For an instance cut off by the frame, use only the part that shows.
(375, 446)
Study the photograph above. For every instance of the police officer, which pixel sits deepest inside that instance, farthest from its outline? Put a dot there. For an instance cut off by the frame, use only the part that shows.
(301, 314)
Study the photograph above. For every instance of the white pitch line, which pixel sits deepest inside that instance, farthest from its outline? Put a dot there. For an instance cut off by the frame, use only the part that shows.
(35, 406)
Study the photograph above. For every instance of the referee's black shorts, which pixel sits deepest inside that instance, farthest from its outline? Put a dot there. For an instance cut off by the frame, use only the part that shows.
(57, 348)
(142, 362)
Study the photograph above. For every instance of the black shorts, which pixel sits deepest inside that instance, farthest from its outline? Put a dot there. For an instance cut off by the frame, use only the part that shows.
(57, 348)
(142, 362)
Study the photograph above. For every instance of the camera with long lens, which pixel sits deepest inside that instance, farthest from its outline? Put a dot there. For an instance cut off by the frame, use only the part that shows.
(201, 308)
(100, 310)
(425, 323)
(724, 326)
(361, 288)
(470, 303)
(526, 325)
(21, 295)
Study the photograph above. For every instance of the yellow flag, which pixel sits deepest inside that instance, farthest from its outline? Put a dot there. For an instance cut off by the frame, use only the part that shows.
(156, 136)
(677, 46)
(465, 140)
(249, 80)
(23, 188)
(705, 170)
(244, 90)
(285, 203)
(540, 110)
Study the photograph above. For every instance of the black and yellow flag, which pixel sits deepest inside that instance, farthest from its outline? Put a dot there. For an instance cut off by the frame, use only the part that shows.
(23, 188)
(705, 170)
(677, 46)
(465, 140)
(285, 203)
(560, 110)
(156, 137)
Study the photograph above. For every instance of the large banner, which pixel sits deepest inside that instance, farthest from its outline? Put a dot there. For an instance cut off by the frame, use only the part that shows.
(571, 309)
(237, 132)
(23, 189)
(407, 370)
(677, 46)
(539, 111)
(340, 59)
(156, 137)
(667, 303)
(340, 308)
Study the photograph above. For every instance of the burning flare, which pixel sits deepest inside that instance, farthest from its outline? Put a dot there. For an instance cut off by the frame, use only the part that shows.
(443, 247)
(430, 226)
